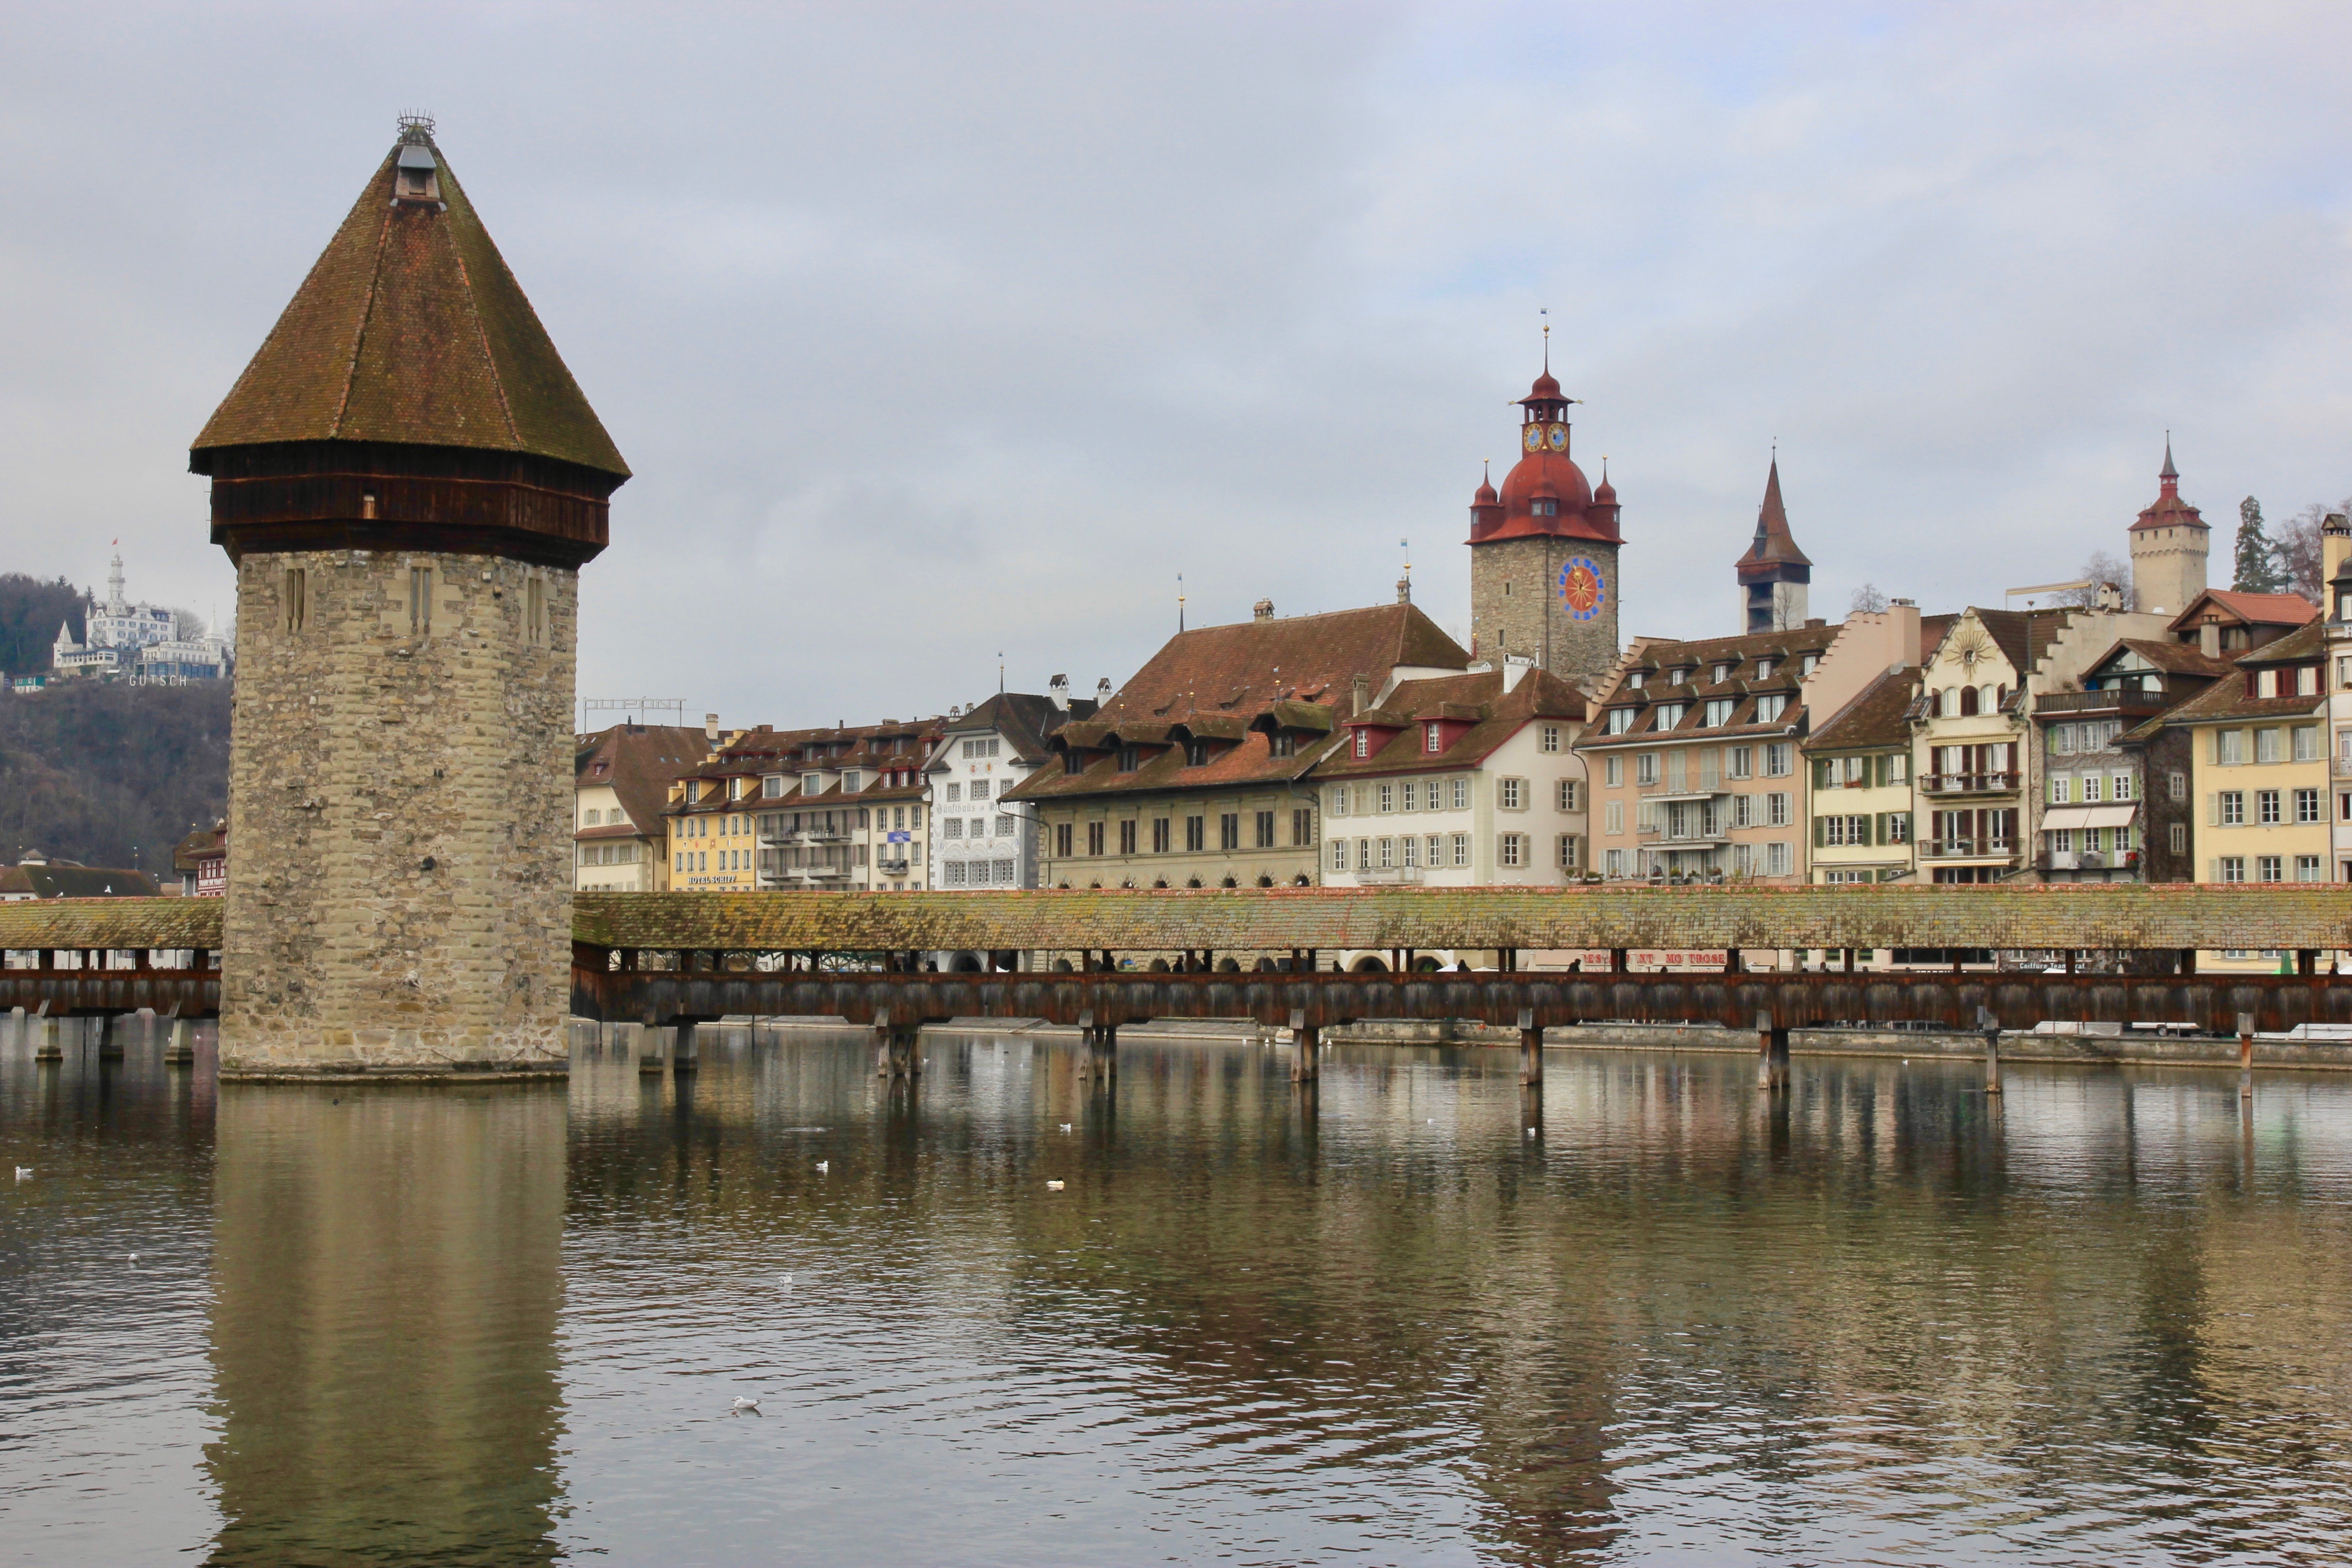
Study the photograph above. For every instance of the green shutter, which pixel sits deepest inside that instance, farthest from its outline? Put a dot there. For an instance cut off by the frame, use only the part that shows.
(1821, 772)
(1865, 824)
(1821, 831)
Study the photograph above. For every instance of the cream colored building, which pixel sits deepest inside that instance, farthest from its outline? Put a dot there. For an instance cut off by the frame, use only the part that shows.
(621, 781)
(1858, 764)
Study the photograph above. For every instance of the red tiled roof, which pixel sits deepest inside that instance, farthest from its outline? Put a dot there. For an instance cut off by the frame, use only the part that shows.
(1478, 700)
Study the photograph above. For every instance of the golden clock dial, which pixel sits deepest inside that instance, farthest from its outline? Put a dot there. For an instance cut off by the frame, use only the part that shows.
(1560, 438)
(1534, 438)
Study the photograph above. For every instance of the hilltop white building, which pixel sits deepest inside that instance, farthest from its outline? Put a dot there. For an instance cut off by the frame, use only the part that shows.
(146, 644)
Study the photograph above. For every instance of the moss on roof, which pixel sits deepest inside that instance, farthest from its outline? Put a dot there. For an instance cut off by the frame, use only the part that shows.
(411, 329)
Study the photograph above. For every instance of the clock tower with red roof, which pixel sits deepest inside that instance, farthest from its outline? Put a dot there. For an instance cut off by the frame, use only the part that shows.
(1543, 551)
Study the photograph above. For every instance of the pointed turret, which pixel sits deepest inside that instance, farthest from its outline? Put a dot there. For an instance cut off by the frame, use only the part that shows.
(1773, 573)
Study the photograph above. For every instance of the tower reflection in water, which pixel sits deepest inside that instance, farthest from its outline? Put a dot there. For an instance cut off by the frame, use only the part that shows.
(388, 1280)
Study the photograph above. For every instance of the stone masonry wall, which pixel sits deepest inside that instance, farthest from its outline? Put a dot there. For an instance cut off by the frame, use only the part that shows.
(400, 814)
(1532, 618)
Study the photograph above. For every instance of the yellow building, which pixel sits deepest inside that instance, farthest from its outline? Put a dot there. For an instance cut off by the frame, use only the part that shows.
(714, 841)
(2258, 771)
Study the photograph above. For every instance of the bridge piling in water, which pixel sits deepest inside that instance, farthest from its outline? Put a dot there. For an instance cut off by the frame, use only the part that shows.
(653, 1050)
(180, 1049)
(108, 1028)
(1771, 1054)
(1307, 1048)
(1531, 1043)
(895, 1049)
(1991, 1027)
(1097, 1051)
(685, 1054)
(2245, 1055)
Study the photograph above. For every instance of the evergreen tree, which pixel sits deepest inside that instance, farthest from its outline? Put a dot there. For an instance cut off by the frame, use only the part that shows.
(2257, 565)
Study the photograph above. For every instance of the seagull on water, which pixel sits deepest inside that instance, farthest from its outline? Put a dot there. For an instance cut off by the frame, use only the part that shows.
(743, 1405)
(822, 1166)
(1066, 1126)
(1531, 1132)
(1053, 1186)
(24, 1172)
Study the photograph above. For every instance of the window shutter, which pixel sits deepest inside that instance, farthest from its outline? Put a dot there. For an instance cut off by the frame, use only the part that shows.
(1821, 831)
(2212, 809)
(1864, 825)
(1878, 828)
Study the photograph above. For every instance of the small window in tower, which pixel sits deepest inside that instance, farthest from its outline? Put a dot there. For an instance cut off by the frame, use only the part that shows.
(1546, 508)
(297, 583)
(420, 600)
(416, 178)
(534, 598)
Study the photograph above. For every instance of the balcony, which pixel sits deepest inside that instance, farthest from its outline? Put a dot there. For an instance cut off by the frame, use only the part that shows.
(1670, 791)
(791, 875)
(804, 836)
(891, 868)
(1964, 848)
(1388, 876)
(1967, 784)
(2122, 704)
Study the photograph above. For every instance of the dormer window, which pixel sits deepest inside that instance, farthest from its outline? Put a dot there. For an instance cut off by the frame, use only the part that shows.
(1638, 679)
(414, 177)
(1544, 508)
(1282, 743)
(1669, 715)
(1763, 668)
(1363, 742)
(1196, 754)
(1130, 759)
(1678, 676)
(1621, 720)
(1722, 673)
(1433, 739)
(1811, 662)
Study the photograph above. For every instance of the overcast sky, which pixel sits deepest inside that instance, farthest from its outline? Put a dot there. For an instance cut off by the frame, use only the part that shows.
(937, 332)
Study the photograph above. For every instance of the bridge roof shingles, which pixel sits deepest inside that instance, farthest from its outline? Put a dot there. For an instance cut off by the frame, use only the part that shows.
(2089, 917)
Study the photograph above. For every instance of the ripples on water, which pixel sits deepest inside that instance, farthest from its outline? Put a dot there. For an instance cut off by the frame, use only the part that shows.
(1883, 1321)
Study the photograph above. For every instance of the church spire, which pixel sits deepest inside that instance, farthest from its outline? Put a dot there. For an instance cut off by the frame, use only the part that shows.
(1773, 573)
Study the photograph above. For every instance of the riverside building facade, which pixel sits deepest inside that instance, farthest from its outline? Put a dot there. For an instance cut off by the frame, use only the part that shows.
(984, 839)
(1195, 773)
(1458, 781)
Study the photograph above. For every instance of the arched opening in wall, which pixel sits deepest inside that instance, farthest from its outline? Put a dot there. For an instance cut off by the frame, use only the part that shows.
(1369, 965)
(1157, 967)
(1095, 887)
(1129, 882)
(966, 963)
(1159, 882)
(1193, 882)
(1229, 966)
(1300, 880)
(1426, 964)
(1229, 883)
(1266, 881)
(1064, 966)
(1268, 966)
(1968, 701)
(1063, 886)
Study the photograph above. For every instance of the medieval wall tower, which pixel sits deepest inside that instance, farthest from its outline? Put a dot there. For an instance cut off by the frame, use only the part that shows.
(408, 479)
(1775, 576)
(1543, 553)
(2170, 547)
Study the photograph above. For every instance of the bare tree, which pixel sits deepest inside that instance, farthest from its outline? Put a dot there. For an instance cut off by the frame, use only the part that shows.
(192, 625)
(1867, 601)
(2299, 552)
(2101, 570)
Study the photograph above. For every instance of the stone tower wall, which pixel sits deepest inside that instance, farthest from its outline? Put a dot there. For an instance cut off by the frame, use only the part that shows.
(399, 817)
(1531, 617)
(2169, 567)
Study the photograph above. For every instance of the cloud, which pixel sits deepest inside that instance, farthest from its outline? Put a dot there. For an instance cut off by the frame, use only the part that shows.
(936, 331)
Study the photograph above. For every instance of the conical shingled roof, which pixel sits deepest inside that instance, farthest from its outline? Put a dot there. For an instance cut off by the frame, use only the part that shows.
(1774, 546)
(410, 329)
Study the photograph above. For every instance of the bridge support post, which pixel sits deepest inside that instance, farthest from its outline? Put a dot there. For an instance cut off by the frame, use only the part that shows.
(653, 1050)
(1771, 1055)
(895, 1048)
(685, 1054)
(46, 1047)
(1991, 1027)
(1099, 1063)
(181, 1051)
(110, 1037)
(1307, 1048)
(1531, 1048)
(2245, 1055)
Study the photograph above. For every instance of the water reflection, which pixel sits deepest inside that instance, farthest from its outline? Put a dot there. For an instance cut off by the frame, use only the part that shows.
(1881, 1318)
(388, 1284)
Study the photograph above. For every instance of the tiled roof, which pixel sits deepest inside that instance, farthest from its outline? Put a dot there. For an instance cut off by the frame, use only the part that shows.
(410, 329)
(55, 881)
(2260, 609)
(639, 761)
(111, 923)
(1328, 920)
(1774, 546)
(1492, 715)
(2022, 636)
(2226, 699)
(1876, 716)
(1024, 719)
(2171, 657)
(203, 844)
(1657, 659)
(1235, 684)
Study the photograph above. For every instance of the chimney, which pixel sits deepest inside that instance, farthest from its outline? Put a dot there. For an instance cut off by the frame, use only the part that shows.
(1903, 619)
(2335, 552)
(1102, 691)
(1363, 693)
(710, 727)
(1514, 668)
(1404, 590)
(1263, 610)
(2208, 637)
(1058, 690)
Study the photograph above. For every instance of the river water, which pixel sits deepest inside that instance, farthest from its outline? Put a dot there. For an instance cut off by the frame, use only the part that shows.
(1882, 1320)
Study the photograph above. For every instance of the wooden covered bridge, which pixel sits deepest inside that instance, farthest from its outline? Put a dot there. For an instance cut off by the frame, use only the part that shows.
(1099, 960)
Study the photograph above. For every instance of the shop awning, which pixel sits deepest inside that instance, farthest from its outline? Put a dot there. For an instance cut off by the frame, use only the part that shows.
(2109, 816)
(2066, 816)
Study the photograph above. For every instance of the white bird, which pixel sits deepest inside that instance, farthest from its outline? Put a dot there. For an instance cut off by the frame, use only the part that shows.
(1053, 1186)
(788, 1282)
(1066, 1126)
(1531, 1132)
(24, 1172)
(133, 1258)
(822, 1166)
(741, 1404)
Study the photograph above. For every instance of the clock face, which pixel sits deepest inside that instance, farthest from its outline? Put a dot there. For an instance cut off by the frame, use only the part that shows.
(1560, 438)
(1583, 588)
(1533, 439)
